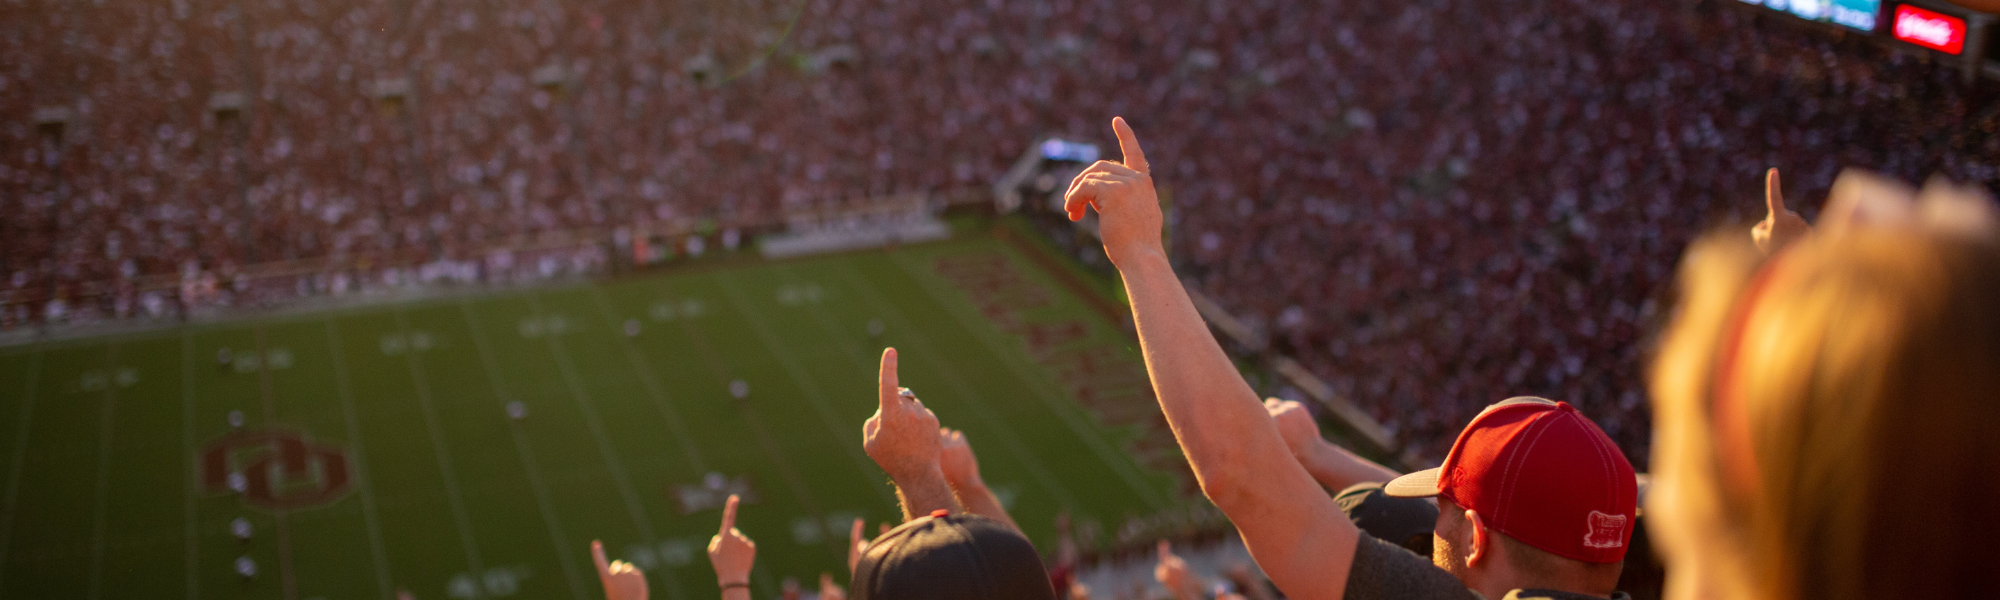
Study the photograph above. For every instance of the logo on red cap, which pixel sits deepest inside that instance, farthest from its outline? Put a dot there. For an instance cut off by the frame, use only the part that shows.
(1606, 531)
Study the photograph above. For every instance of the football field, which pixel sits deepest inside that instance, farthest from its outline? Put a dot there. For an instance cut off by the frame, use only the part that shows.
(376, 450)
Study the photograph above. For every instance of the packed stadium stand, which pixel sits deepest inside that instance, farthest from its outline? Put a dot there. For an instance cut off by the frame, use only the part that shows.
(1432, 205)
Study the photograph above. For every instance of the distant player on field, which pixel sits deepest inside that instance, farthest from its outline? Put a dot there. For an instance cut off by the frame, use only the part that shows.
(246, 568)
(240, 527)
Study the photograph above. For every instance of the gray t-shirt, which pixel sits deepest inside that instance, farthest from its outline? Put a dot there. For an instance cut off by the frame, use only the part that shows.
(1385, 571)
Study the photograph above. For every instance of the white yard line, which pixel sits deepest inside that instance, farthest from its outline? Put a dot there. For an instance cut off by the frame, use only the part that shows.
(108, 420)
(20, 455)
(637, 358)
(190, 531)
(596, 425)
(288, 577)
(376, 547)
(443, 455)
(612, 462)
(526, 454)
(849, 432)
(1051, 396)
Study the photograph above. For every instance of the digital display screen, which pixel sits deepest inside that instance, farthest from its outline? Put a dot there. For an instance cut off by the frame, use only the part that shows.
(1930, 29)
(1060, 149)
(1855, 14)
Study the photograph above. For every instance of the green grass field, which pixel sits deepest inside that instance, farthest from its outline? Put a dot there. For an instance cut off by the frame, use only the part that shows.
(107, 495)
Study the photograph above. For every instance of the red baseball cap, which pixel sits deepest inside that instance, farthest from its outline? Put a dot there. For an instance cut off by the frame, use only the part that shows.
(1541, 473)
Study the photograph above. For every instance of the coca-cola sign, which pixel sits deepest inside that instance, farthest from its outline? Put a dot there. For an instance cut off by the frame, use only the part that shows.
(1930, 29)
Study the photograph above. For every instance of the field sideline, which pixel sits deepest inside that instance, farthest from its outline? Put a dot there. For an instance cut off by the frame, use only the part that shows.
(381, 456)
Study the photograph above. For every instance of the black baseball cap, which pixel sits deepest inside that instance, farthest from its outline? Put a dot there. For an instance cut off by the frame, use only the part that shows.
(1407, 522)
(951, 557)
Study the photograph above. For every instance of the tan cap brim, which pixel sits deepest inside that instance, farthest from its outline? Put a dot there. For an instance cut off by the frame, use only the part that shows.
(1421, 484)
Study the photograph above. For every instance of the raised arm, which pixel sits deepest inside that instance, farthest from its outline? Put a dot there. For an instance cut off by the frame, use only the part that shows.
(621, 580)
(902, 437)
(1291, 527)
(1173, 573)
(961, 471)
(732, 554)
(1780, 225)
(1331, 465)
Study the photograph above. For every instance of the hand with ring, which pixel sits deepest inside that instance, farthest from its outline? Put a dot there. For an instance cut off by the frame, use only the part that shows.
(902, 436)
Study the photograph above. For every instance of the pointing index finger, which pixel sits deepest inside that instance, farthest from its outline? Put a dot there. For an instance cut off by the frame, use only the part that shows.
(1774, 198)
(1128, 145)
(888, 392)
(597, 555)
(729, 514)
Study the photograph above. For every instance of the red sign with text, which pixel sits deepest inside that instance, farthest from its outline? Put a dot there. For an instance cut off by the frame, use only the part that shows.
(1930, 29)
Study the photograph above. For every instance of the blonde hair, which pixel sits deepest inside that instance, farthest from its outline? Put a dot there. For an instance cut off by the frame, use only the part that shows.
(1827, 423)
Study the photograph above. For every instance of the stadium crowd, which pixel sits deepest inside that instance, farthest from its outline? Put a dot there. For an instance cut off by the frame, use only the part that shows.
(1431, 204)
(1822, 392)
(1421, 201)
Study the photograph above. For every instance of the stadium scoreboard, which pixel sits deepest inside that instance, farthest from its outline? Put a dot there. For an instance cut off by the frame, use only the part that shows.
(1934, 25)
(1853, 14)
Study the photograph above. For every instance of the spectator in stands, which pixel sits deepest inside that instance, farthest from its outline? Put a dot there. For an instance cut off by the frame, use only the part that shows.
(1556, 514)
(1555, 163)
(1824, 412)
(1183, 584)
(947, 553)
(1172, 572)
(622, 581)
(939, 551)
(961, 472)
(1413, 520)
(1407, 522)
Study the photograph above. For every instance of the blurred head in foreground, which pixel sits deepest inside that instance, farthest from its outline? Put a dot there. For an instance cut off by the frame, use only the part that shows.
(951, 557)
(1826, 419)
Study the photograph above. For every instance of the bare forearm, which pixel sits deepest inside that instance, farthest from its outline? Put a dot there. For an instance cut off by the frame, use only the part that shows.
(1291, 528)
(1242, 463)
(1214, 414)
(1336, 467)
(924, 493)
(979, 500)
(736, 593)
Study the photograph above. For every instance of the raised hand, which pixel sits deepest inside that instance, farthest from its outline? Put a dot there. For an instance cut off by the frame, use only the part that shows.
(622, 581)
(1780, 226)
(961, 472)
(1172, 572)
(961, 468)
(855, 546)
(902, 435)
(1122, 192)
(1295, 423)
(730, 552)
(1330, 465)
(828, 590)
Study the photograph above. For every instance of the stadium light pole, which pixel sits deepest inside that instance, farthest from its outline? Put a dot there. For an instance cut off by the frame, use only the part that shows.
(1974, 58)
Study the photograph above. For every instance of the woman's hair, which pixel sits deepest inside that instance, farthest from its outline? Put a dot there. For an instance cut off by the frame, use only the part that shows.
(1828, 420)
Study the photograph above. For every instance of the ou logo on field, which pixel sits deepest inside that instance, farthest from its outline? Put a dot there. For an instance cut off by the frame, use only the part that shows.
(280, 468)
